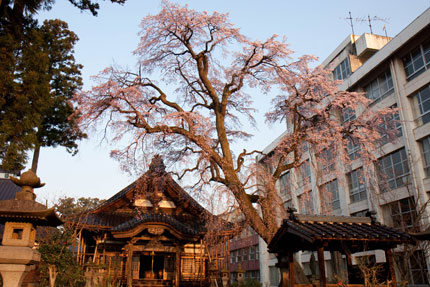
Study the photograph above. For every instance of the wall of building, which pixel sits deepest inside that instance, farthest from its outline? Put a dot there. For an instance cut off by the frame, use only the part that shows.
(394, 72)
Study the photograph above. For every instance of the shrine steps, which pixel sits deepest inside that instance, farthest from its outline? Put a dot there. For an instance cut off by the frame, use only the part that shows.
(152, 283)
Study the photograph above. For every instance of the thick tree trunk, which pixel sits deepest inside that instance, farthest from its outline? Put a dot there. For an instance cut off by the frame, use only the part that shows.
(18, 12)
(52, 275)
(35, 161)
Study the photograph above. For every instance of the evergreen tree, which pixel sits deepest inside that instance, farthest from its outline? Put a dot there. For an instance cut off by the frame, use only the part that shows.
(39, 77)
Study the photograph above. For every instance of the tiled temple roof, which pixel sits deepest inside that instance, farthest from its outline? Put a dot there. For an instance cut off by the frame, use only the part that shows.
(306, 232)
(118, 213)
(8, 189)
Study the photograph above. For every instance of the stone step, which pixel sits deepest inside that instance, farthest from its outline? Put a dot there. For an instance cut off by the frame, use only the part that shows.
(152, 283)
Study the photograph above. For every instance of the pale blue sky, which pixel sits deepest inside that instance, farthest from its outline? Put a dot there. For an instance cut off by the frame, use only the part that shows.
(312, 27)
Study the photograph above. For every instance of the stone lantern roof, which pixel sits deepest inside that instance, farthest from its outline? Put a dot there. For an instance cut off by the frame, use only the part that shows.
(24, 208)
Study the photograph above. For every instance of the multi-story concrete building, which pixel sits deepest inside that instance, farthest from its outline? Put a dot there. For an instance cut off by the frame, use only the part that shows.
(393, 72)
(244, 254)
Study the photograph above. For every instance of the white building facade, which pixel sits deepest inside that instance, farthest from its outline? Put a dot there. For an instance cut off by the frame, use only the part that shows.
(393, 73)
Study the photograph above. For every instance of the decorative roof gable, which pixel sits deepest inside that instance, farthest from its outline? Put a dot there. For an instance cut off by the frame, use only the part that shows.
(154, 197)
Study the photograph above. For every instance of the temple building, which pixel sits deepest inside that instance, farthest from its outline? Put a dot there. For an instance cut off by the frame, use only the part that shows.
(148, 234)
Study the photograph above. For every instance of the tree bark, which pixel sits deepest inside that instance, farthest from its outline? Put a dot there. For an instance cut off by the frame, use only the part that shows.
(35, 161)
(52, 275)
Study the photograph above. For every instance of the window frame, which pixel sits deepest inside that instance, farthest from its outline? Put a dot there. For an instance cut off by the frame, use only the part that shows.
(353, 149)
(328, 163)
(305, 173)
(332, 188)
(348, 114)
(397, 211)
(418, 257)
(388, 171)
(377, 85)
(423, 100)
(285, 184)
(425, 152)
(420, 53)
(343, 70)
(361, 190)
(306, 202)
(387, 125)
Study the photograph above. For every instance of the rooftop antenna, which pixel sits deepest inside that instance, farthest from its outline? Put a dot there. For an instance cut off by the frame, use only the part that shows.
(385, 30)
(350, 21)
(374, 18)
(352, 31)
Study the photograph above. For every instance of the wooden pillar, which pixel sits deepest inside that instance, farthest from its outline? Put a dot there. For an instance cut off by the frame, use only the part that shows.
(389, 258)
(321, 266)
(291, 268)
(95, 252)
(228, 255)
(79, 247)
(129, 265)
(74, 242)
(104, 249)
(84, 252)
(178, 266)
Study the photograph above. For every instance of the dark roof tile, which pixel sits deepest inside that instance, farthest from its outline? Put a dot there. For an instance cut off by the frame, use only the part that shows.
(8, 189)
(313, 229)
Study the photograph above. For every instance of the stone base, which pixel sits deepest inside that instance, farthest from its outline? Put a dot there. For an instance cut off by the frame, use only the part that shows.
(18, 255)
(13, 274)
(15, 263)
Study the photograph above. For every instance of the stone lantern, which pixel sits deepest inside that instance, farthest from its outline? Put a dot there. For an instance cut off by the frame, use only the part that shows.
(21, 216)
(240, 275)
(224, 277)
(213, 274)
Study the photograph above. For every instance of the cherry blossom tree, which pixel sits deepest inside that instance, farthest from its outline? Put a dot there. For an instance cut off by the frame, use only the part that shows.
(190, 95)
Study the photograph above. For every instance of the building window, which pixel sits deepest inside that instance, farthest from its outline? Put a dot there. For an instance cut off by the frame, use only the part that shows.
(327, 161)
(414, 266)
(306, 202)
(353, 149)
(417, 61)
(423, 99)
(417, 266)
(284, 182)
(257, 254)
(331, 191)
(404, 215)
(390, 122)
(251, 253)
(381, 87)
(348, 115)
(362, 213)
(425, 148)
(343, 70)
(393, 170)
(245, 254)
(305, 173)
(357, 185)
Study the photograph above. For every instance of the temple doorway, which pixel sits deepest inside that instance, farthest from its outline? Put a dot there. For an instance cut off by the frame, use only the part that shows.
(151, 267)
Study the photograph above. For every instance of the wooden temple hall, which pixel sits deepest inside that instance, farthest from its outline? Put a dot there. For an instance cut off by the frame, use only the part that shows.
(148, 234)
